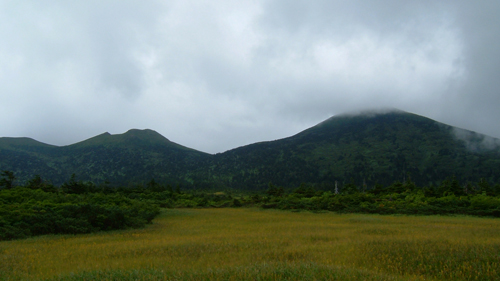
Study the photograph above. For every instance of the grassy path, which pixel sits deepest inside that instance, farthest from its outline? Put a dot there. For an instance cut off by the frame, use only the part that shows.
(253, 244)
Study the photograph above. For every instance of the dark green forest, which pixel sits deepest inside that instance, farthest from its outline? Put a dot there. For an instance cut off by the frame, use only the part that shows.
(39, 207)
(367, 149)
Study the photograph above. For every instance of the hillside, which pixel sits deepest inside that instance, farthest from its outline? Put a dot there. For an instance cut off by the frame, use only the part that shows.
(133, 157)
(365, 148)
(370, 148)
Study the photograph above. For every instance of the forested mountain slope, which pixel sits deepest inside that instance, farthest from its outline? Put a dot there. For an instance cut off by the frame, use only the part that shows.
(370, 148)
(364, 148)
(133, 157)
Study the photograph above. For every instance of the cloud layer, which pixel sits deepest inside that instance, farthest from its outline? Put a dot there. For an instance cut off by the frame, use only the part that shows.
(214, 75)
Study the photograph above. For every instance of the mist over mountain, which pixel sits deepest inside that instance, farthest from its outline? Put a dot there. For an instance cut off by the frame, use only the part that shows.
(365, 148)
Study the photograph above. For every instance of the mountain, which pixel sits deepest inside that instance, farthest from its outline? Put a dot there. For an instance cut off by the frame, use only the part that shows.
(364, 148)
(132, 157)
(26, 157)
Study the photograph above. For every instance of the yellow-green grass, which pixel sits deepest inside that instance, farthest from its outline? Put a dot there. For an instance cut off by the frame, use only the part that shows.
(255, 244)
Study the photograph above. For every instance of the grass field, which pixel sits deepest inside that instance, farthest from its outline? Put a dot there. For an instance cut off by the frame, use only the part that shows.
(255, 244)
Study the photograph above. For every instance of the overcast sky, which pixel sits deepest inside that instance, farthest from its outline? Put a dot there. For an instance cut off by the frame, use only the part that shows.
(215, 75)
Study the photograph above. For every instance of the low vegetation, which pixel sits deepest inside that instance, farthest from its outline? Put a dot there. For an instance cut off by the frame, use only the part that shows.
(399, 198)
(44, 209)
(258, 244)
(345, 233)
(40, 208)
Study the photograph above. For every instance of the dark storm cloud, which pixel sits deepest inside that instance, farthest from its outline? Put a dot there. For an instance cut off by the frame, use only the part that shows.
(214, 75)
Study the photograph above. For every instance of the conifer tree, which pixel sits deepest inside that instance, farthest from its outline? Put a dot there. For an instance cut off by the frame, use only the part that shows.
(8, 180)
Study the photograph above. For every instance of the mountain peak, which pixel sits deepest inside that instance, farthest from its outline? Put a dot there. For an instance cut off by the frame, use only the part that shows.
(131, 137)
(350, 119)
(145, 133)
(373, 112)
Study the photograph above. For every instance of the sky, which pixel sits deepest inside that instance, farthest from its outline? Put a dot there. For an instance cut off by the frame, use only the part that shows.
(219, 74)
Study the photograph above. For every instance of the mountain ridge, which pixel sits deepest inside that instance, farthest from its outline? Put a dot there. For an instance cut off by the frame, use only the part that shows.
(367, 148)
(21, 141)
(146, 136)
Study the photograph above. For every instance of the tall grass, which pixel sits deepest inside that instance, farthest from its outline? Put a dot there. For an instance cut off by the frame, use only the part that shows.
(236, 244)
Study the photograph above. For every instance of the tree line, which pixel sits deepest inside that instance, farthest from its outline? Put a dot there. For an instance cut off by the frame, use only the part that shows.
(39, 207)
(448, 198)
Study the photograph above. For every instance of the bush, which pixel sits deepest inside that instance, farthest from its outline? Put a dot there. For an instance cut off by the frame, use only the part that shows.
(30, 212)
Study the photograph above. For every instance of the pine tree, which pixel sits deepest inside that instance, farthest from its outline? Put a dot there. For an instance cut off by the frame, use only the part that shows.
(8, 179)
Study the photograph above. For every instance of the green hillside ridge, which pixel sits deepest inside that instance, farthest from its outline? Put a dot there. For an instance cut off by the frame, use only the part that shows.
(24, 144)
(364, 148)
(133, 157)
(370, 148)
(131, 138)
